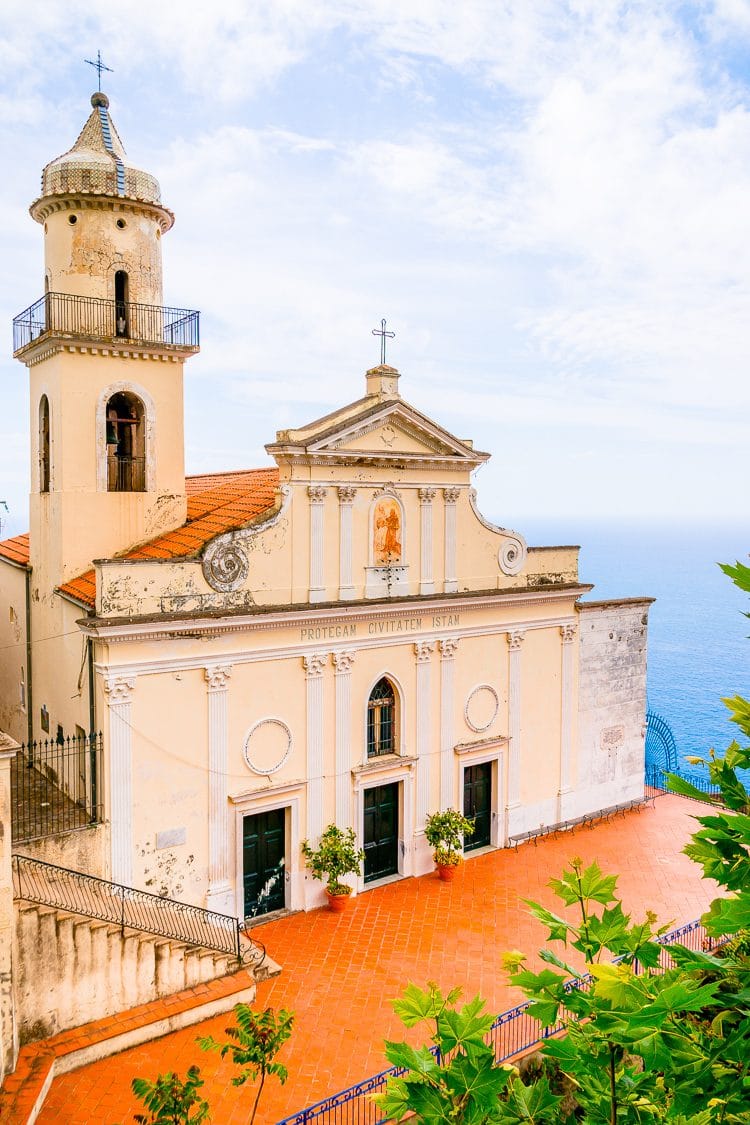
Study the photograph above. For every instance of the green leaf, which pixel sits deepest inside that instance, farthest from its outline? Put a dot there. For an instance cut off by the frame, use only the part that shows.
(419, 1059)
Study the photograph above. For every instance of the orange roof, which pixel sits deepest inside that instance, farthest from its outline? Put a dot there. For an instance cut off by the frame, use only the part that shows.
(16, 550)
(217, 502)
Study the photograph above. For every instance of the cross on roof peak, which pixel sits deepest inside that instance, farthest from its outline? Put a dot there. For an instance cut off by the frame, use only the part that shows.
(381, 332)
(99, 67)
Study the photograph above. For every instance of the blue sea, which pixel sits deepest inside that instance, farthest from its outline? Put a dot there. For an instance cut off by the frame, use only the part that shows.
(699, 651)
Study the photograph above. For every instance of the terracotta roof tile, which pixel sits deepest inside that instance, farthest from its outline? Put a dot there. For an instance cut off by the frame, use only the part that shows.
(217, 502)
(16, 550)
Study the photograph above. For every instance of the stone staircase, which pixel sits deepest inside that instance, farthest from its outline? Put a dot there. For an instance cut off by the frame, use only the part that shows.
(71, 969)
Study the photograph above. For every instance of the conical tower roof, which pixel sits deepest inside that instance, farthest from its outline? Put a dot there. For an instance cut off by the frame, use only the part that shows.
(97, 165)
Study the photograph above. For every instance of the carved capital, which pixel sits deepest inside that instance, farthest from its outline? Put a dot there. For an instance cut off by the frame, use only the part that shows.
(119, 689)
(451, 495)
(317, 493)
(448, 646)
(515, 639)
(346, 492)
(568, 633)
(343, 661)
(217, 676)
(315, 663)
(423, 650)
(427, 495)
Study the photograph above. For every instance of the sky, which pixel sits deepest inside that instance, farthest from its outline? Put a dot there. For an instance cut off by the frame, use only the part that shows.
(548, 202)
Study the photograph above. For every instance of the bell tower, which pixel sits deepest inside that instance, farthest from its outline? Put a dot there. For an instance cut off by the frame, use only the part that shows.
(105, 359)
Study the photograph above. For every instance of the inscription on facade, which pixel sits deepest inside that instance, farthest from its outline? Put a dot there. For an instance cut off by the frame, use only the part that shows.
(326, 632)
(612, 737)
(380, 628)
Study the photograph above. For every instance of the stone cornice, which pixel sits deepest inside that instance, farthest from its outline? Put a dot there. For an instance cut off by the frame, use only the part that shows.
(46, 205)
(53, 344)
(173, 628)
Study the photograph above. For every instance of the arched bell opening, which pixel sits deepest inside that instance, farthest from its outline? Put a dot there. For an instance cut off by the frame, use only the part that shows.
(126, 443)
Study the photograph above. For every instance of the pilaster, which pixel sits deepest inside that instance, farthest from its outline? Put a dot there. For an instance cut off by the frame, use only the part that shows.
(119, 691)
(423, 651)
(448, 646)
(220, 895)
(450, 496)
(426, 581)
(346, 494)
(567, 710)
(342, 662)
(515, 641)
(314, 666)
(317, 494)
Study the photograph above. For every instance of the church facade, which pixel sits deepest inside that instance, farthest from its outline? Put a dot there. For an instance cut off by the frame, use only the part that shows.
(340, 637)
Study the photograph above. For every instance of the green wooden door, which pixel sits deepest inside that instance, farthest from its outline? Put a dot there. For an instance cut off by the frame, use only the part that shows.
(381, 831)
(263, 839)
(478, 804)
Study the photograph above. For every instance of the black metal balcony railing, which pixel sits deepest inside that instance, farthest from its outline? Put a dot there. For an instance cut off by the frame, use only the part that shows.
(56, 786)
(93, 318)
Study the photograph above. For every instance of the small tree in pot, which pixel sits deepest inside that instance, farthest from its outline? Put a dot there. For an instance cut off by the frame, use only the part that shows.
(336, 856)
(445, 832)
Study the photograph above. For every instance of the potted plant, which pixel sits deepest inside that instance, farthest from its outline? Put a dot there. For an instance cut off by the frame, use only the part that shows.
(335, 857)
(445, 832)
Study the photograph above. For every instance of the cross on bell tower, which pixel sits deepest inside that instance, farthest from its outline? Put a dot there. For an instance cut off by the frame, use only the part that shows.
(99, 67)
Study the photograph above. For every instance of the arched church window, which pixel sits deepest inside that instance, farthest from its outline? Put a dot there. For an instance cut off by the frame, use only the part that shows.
(126, 443)
(44, 452)
(381, 720)
(122, 311)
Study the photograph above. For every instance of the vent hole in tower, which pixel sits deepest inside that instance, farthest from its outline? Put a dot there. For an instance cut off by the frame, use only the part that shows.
(72, 219)
(121, 224)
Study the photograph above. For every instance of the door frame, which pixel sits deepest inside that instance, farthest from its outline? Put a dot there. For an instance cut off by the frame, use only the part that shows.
(250, 805)
(477, 755)
(401, 774)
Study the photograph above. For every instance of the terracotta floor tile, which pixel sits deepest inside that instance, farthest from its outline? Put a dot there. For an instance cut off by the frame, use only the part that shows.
(339, 972)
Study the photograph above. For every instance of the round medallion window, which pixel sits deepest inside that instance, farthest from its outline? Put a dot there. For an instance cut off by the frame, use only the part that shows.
(481, 708)
(267, 746)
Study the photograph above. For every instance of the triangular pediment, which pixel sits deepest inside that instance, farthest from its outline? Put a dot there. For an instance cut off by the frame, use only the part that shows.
(381, 428)
(392, 429)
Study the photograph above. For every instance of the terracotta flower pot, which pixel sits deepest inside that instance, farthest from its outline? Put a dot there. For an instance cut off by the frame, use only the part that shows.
(447, 872)
(337, 903)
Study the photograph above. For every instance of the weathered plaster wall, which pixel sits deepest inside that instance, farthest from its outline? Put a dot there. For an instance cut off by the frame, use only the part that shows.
(278, 560)
(8, 961)
(83, 850)
(13, 708)
(612, 702)
(82, 257)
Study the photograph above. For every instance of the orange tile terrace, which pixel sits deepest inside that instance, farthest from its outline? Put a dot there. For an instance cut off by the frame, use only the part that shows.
(339, 972)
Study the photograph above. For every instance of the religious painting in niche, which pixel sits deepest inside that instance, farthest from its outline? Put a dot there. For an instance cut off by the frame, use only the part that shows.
(386, 527)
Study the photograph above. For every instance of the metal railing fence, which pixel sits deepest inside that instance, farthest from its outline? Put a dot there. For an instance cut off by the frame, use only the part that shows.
(512, 1033)
(56, 786)
(99, 319)
(656, 778)
(92, 897)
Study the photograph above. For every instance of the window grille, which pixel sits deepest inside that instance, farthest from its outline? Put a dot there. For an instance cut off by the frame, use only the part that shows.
(381, 720)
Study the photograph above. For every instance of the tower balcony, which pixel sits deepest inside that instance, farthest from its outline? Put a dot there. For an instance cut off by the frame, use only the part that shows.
(113, 322)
